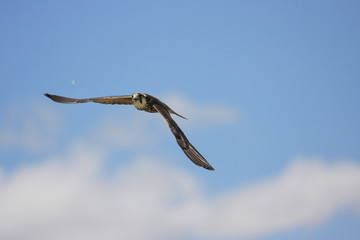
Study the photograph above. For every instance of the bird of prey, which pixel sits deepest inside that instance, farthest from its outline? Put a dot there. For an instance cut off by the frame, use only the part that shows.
(148, 103)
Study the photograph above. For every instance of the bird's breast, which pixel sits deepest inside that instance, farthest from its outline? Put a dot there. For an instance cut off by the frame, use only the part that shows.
(141, 105)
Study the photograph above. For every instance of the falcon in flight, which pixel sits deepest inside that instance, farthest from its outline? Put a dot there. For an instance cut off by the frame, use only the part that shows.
(148, 103)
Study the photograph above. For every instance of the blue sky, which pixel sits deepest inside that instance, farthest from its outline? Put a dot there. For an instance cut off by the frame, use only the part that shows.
(271, 91)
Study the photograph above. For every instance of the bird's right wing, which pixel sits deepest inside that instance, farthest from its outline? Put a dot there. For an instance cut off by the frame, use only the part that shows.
(181, 139)
(124, 100)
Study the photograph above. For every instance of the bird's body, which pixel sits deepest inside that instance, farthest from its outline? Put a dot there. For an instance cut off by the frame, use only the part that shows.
(147, 103)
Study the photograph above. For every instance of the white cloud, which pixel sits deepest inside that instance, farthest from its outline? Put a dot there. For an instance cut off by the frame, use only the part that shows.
(115, 132)
(306, 193)
(68, 197)
(31, 126)
(201, 114)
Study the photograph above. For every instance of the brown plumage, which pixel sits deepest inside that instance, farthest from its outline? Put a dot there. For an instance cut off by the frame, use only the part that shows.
(148, 103)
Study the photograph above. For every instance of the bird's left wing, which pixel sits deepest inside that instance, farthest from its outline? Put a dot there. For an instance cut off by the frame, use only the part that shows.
(124, 100)
(181, 139)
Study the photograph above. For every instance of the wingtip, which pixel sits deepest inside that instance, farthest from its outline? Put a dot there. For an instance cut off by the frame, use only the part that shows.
(49, 96)
(210, 168)
(182, 116)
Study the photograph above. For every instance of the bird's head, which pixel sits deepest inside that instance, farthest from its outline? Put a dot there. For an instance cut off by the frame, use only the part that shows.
(139, 100)
(138, 97)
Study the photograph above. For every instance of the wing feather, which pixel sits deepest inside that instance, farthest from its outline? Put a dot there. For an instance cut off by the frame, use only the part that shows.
(123, 100)
(181, 139)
